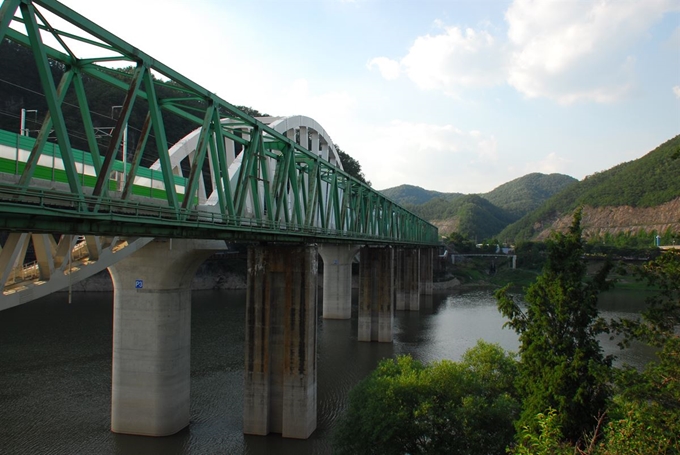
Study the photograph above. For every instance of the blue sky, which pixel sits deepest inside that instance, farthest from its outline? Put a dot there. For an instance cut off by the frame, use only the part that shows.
(453, 96)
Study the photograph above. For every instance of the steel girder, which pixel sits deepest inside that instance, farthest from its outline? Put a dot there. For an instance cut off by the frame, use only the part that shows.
(55, 263)
(279, 190)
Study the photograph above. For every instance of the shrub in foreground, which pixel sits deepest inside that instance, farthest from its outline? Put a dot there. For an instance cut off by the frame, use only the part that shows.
(406, 407)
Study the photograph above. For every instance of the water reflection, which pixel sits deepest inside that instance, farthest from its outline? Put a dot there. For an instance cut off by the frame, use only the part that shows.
(626, 304)
(55, 379)
(455, 324)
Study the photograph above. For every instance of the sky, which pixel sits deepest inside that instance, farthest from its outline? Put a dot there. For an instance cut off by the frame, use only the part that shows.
(449, 95)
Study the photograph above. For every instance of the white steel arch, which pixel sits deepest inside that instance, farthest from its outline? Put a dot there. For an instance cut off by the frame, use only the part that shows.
(296, 128)
(320, 141)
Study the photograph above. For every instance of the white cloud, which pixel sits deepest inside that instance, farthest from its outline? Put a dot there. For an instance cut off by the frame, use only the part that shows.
(454, 59)
(389, 69)
(552, 163)
(567, 51)
(488, 149)
(577, 51)
(676, 90)
(334, 110)
(429, 155)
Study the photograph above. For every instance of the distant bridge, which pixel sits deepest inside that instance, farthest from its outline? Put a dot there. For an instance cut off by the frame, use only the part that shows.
(492, 255)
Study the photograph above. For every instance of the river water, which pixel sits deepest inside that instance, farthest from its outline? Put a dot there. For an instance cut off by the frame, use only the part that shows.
(55, 369)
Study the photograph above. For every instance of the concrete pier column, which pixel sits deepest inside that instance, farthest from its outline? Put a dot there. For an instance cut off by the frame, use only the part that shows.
(407, 279)
(376, 294)
(426, 270)
(152, 335)
(280, 358)
(337, 280)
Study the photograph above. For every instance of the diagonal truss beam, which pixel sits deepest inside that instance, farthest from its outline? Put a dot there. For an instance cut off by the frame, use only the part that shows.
(280, 187)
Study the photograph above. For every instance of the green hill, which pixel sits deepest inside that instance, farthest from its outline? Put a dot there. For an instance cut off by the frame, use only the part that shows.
(415, 195)
(480, 216)
(525, 194)
(472, 216)
(649, 181)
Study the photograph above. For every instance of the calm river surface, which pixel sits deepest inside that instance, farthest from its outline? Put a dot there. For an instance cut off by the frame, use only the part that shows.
(55, 369)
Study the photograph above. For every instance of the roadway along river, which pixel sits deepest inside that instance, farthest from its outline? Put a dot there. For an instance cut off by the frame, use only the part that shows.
(55, 370)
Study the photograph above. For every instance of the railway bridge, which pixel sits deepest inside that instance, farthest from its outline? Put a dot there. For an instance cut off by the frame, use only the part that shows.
(152, 209)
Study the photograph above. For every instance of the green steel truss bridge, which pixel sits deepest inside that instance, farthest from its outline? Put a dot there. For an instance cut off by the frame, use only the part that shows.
(231, 177)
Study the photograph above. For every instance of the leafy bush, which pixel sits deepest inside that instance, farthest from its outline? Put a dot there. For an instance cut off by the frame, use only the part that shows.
(405, 407)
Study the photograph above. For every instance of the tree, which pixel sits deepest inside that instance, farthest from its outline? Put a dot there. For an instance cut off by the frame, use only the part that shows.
(351, 166)
(561, 362)
(645, 412)
(444, 408)
(650, 400)
(459, 243)
(250, 111)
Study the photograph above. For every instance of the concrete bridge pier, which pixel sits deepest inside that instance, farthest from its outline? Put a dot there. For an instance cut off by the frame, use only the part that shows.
(426, 270)
(280, 357)
(337, 280)
(376, 294)
(152, 336)
(407, 278)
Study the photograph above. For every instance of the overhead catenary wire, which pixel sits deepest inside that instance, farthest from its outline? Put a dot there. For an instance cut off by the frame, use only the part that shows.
(65, 103)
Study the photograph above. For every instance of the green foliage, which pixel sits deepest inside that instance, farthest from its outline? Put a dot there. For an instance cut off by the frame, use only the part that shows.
(644, 417)
(561, 362)
(646, 182)
(530, 255)
(250, 111)
(657, 324)
(481, 215)
(459, 243)
(520, 196)
(351, 166)
(405, 407)
(651, 398)
(546, 441)
(643, 428)
(415, 195)
(641, 239)
(477, 218)
(637, 431)
(517, 197)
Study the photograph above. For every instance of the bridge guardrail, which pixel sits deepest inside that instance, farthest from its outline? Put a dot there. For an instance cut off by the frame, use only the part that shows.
(50, 204)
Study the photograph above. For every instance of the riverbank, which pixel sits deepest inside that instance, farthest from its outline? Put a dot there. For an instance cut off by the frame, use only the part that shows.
(220, 274)
(228, 272)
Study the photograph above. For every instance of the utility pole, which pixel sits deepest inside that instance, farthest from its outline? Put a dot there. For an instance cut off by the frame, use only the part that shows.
(23, 131)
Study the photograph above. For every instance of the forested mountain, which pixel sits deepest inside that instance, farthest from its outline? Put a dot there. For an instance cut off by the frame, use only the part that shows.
(636, 195)
(472, 216)
(415, 195)
(522, 195)
(480, 216)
